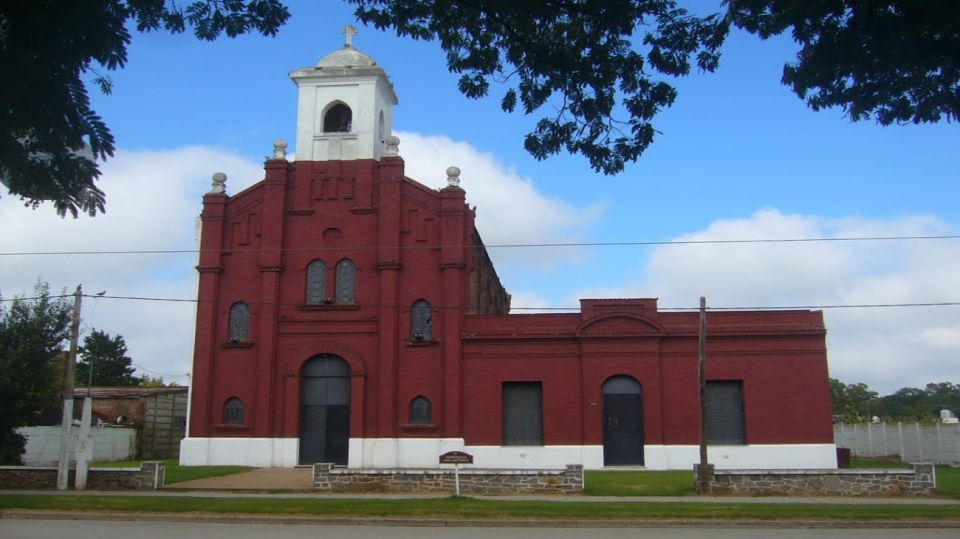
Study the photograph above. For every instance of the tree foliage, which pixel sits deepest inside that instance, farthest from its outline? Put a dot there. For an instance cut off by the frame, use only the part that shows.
(601, 67)
(897, 60)
(595, 72)
(108, 356)
(856, 402)
(50, 137)
(32, 332)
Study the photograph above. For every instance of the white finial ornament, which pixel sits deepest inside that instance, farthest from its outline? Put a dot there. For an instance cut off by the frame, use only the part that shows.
(393, 146)
(349, 31)
(279, 149)
(453, 177)
(219, 183)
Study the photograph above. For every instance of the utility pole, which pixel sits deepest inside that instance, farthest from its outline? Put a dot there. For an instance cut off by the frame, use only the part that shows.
(63, 470)
(702, 472)
(84, 450)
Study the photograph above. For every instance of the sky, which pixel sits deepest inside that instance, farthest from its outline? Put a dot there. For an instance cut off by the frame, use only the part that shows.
(738, 156)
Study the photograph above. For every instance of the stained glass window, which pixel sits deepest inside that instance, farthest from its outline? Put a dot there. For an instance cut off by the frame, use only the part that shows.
(233, 412)
(421, 321)
(316, 282)
(346, 281)
(239, 330)
(421, 412)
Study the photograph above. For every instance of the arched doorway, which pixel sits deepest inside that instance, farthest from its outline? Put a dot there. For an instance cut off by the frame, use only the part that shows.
(622, 422)
(324, 410)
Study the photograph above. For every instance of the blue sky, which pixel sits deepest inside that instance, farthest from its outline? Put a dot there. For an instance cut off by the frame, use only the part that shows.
(738, 156)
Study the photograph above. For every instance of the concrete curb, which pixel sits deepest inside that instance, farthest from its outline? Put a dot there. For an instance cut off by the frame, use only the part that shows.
(474, 523)
(170, 492)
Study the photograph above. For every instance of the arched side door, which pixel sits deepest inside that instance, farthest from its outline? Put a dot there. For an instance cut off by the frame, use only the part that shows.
(622, 422)
(324, 410)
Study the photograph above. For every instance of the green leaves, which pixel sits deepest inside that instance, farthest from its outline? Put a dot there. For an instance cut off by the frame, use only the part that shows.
(31, 334)
(50, 138)
(895, 61)
(108, 356)
(598, 67)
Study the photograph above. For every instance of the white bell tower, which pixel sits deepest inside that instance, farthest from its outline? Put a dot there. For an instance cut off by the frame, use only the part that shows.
(345, 106)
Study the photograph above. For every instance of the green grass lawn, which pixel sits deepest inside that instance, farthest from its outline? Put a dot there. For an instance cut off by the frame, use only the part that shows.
(639, 483)
(176, 473)
(476, 508)
(877, 462)
(948, 481)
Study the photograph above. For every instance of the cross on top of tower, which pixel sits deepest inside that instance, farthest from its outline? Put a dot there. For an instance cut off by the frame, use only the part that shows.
(349, 31)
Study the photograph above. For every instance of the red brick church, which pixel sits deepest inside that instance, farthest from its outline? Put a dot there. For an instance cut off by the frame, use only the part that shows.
(349, 314)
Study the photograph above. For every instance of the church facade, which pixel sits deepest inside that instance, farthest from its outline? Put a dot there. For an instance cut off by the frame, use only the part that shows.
(350, 314)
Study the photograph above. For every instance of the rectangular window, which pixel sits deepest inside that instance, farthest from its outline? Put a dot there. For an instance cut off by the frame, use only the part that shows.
(725, 425)
(522, 413)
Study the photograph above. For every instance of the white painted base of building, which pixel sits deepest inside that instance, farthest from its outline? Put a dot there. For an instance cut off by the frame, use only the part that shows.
(424, 453)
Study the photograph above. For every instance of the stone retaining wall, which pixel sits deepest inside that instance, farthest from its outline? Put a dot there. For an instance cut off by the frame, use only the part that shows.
(149, 476)
(918, 481)
(472, 480)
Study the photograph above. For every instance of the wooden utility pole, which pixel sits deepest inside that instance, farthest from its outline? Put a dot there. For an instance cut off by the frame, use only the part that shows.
(702, 474)
(66, 432)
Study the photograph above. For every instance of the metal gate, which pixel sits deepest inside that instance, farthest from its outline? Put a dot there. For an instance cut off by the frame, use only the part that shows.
(324, 410)
(622, 422)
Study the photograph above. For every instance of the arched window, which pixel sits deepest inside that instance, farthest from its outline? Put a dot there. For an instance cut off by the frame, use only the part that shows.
(421, 321)
(239, 326)
(317, 283)
(338, 119)
(346, 281)
(421, 412)
(233, 412)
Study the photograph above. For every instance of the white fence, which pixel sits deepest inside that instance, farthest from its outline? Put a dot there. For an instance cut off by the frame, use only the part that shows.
(913, 442)
(43, 444)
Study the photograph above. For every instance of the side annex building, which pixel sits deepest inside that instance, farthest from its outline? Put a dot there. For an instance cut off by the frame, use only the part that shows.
(349, 314)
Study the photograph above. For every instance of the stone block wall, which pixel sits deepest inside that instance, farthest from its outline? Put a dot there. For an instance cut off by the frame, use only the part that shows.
(149, 476)
(918, 481)
(432, 481)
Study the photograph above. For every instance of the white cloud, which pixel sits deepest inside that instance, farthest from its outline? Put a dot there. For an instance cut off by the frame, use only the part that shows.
(887, 348)
(153, 200)
(510, 210)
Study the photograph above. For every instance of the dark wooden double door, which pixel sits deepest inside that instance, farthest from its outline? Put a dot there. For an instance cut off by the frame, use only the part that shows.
(324, 410)
(622, 422)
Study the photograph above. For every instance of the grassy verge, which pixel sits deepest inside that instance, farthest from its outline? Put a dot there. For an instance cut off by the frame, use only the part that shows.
(948, 481)
(176, 473)
(473, 508)
(607, 483)
(877, 462)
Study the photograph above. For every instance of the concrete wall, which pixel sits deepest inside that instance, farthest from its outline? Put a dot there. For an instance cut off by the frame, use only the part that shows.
(109, 444)
(913, 442)
(472, 481)
(149, 476)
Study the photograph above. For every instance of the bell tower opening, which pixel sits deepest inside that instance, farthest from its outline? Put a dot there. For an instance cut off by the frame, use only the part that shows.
(338, 119)
(344, 109)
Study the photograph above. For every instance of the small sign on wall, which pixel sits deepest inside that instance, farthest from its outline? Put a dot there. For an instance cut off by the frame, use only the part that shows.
(456, 457)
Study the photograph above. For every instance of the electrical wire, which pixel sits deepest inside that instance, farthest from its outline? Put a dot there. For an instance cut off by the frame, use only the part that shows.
(751, 308)
(488, 246)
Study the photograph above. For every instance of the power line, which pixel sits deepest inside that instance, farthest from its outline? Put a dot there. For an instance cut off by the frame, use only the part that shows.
(169, 375)
(335, 307)
(488, 246)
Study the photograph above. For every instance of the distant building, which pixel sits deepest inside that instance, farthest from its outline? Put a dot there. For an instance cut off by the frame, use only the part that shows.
(349, 314)
(159, 413)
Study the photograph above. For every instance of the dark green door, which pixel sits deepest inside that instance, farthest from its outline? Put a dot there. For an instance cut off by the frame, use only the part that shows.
(324, 410)
(622, 422)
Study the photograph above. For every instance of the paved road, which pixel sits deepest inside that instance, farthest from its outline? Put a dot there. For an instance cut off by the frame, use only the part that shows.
(58, 529)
